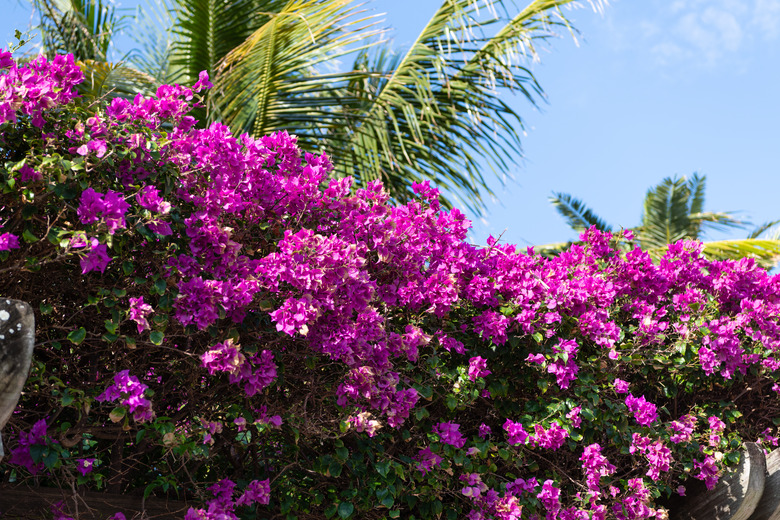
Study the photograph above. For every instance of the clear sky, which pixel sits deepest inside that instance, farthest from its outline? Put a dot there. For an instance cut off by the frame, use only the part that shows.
(655, 88)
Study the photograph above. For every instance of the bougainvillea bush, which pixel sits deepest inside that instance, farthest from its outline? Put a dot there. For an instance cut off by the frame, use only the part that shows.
(220, 320)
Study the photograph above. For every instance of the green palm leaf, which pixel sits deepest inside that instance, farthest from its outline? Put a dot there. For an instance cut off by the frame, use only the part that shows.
(431, 113)
(665, 216)
(438, 113)
(83, 28)
(208, 30)
(673, 211)
(271, 81)
(766, 252)
(577, 215)
(153, 34)
(102, 78)
(770, 230)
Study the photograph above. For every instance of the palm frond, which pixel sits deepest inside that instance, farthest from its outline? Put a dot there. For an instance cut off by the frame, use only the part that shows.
(83, 28)
(577, 215)
(770, 229)
(439, 111)
(271, 80)
(208, 30)
(722, 220)
(665, 217)
(155, 39)
(697, 185)
(102, 78)
(766, 252)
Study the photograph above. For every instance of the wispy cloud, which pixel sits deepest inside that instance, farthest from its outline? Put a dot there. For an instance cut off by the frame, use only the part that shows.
(707, 32)
(766, 18)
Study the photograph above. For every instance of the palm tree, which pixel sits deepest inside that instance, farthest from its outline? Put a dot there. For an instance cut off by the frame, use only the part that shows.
(85, 29)
(674, 210)
(431, 113)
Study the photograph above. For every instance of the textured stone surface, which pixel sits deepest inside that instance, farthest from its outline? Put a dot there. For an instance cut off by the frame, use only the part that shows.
(17, 337)
(736, 495)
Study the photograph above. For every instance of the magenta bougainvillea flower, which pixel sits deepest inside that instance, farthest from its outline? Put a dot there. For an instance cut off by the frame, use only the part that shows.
(96, 258)
(139, 312)
(129, 392)
(477, 368)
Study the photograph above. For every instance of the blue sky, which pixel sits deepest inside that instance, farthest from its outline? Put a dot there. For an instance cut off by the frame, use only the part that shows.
(654, 88)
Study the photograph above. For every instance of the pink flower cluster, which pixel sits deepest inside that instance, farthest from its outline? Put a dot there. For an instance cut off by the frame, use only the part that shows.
(223, 505)
(129, 391)
(427, 460)
(707, 470)
(255, 372)
(109, 208)
(8, 241)
(477, 368)
(449, 433)
(683, 429)
(516, 434)
(716, 428)
(21, 453)
(595, 466)
(139, 312)
(563, 367)
(35, 87)
(658, 455)
(645, 412)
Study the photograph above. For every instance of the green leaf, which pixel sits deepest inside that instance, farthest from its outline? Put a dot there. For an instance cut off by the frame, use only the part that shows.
(342, 454)
(28, 210)
(159, 287)
(77, 336)
(50, 459)
(383, 468)
(334, 469)
(28, 236)
(117, 414)
(346, 509)
(67, 399)
(36, 452)
(46, 308)
(421, 413)
(111, 326)
(156, 337)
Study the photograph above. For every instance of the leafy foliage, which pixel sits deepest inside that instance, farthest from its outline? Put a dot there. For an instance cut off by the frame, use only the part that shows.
(221, 320)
